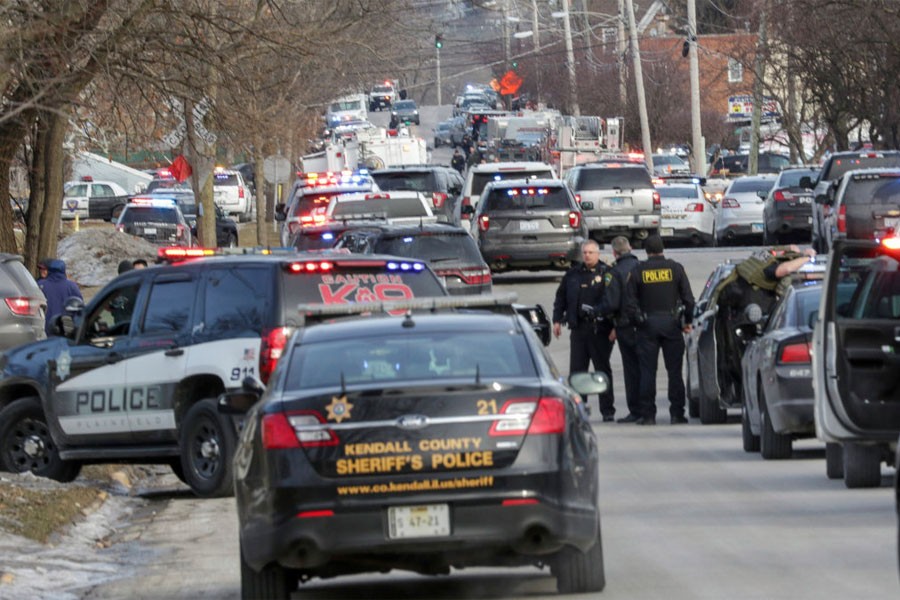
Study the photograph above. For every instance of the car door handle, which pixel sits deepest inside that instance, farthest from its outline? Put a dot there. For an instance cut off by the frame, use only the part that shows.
(174, 351)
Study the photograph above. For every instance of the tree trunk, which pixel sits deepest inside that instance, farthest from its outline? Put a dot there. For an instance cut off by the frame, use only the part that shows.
(46, 201)
(10, 138)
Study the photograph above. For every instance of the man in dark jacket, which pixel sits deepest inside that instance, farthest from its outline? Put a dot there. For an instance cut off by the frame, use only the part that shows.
(579, 304)
(458, 161)
(57, 289)
(625, 332)
(661, 303)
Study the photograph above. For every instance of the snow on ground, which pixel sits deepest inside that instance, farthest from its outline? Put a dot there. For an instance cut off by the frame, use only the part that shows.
(92, 255)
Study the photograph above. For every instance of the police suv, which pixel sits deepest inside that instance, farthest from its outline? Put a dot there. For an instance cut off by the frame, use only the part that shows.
(136, 374)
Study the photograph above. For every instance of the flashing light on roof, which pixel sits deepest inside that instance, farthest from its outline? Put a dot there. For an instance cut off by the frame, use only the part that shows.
(404, 266)
(174, 253)
(219, 169)
(407, 240)
(164, 174)
(327, 236)
(321, 266)
(145, 201)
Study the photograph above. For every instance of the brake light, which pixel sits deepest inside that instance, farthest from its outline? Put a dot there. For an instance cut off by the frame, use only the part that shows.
(271, 348)
(315, 514)
(795, 353)
(240, 192)
(842, 219)
(730, 203)
(694, 207)
(657, 203)
(484, 222)
(782, 196)
(438, 199)
(531, 416)
(378, 197)
(469, 276)
(23, 307)
(891, 243)
(277, 433)
(574, 219)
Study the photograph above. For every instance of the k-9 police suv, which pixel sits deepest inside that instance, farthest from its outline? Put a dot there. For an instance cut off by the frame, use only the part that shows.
(136, 376)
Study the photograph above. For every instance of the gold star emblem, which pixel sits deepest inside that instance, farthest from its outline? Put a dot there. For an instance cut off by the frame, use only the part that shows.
(339, 409)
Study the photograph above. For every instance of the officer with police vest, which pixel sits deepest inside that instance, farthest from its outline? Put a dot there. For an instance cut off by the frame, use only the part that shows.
(661, 305)
(579, 303)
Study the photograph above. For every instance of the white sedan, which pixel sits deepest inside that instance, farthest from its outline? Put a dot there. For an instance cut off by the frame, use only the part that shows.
(741, 208)
(687, 215)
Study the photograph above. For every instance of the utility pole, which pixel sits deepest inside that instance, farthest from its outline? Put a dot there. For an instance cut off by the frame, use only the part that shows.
(570, 60)
(438, 65)
(759, 73)
(537, 47)
(620, 51)
(505, 35)
(698, 144)
(639, 80)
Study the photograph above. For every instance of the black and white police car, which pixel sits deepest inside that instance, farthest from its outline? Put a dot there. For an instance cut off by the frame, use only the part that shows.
(423, 442)
(136, 376)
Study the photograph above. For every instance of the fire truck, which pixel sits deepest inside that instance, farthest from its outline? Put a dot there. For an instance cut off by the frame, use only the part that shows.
(578, 140)
(372, 148)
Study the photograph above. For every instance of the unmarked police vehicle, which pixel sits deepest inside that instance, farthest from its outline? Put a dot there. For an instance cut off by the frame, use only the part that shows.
(422, 443)
(136, 376)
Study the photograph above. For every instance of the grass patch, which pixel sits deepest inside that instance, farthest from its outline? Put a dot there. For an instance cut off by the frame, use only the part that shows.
(39, 513)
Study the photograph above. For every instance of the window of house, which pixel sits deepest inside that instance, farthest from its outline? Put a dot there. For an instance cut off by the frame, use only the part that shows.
(735, 71)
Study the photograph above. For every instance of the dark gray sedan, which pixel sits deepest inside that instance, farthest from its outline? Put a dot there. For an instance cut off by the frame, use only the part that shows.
(404, 112)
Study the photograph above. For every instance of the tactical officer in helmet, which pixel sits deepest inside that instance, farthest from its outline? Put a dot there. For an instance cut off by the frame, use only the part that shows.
(580, 304)
(661, 305)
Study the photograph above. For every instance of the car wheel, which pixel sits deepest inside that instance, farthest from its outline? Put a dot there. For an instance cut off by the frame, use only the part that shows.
(208, 440)
(178, 470)
(272, 582)
(27, 446)
(834, 461)
(772, 445)
(862, 466)
(711, 413)
(750, 441)
(580, 572)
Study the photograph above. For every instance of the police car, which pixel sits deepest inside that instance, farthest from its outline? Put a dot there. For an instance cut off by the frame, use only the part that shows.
(136, 376)
(423, 442)
(157, 220)
(686, 213)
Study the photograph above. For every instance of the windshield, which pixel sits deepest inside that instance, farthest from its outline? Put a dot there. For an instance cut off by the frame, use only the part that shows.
(792, 178)
(750, 185)
(527, 198)
(613, 177)
(479, 180)
(415, 182)
(382, 89)
(431, 246)
(669, 191)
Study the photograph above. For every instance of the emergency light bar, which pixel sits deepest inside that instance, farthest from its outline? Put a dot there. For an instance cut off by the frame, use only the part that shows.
(432, 304)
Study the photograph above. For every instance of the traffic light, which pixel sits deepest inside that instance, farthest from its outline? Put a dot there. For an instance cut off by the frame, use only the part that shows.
(439, 41)
(515, 64)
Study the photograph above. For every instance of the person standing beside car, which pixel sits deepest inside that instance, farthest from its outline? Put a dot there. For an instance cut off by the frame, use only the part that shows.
(625, 332)
(661, 304)
(578, 303)
(57, 289)
(458, 161)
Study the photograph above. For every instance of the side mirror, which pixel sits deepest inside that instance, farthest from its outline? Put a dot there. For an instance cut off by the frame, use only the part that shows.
(813, 317)
(240, 401)
(587, 205)
(806, 182)
(762, 194)
(822, 199)
(589, 383)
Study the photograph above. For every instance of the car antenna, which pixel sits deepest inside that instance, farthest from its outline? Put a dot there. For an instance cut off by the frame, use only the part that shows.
(477, 374)
(343, 384)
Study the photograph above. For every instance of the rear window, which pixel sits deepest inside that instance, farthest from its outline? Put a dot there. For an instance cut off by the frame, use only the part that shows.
(165, 184)
(408, 356)
(840, 165)
(386, 208)
(433, 247)
(305, 204)
(613, 177)
(750, 185)
(140, 215)
(529, 198)
(225, 179)
(317, 240)
(878, 296)
(15, 280)
(423, 181)
(792, 178)
(677, 192)
(370, 283)
(866, 189)
(479, 180)
(405, 104)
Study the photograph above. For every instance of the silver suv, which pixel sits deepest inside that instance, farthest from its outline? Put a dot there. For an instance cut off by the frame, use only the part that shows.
(623, 198)
(22, 320)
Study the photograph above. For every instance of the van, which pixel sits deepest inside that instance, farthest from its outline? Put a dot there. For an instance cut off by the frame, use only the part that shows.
(348, 108)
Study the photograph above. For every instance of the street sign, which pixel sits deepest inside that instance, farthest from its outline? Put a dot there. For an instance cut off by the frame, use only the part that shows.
(277, 169)
(176, 136)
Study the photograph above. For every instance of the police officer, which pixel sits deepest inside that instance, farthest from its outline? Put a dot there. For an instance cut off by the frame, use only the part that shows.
(579, 303)
(625, 332)
(458, 161)
(662, 305)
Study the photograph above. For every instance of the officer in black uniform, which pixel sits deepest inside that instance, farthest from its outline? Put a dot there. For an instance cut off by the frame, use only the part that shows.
(662, 305)
(579, 304)
(458, 161)
(625, 332)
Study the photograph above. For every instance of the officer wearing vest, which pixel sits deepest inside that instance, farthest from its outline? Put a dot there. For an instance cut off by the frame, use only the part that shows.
(661, 305)
(626, 333)
(579, 304)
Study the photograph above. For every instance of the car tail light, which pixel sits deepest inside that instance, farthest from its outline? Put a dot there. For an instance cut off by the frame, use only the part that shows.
(315, 514)
(782, 196)
(241, 193)
(271, 349)
(23, 306)
(277, 433)
(730, 203)
(466, 201)
(438, 199)
(578, 198)
(470, 276)
(657, 203)
(842, 219)
(534, 416)
(694, 207)
(574, 219)
(484, 222)
(797, 352)
(520, 502)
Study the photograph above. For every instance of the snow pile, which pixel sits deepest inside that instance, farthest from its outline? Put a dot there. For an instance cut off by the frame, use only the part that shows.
(92, 255)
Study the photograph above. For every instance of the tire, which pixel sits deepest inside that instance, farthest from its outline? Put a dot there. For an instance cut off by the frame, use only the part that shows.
(208, 440)
(27, 446)
(711, 413)
(750, 441)
(580, 572)
(834, 461)
(773, 446)
(273, 582)
(177, 470)
(693, 404)
(862, 466)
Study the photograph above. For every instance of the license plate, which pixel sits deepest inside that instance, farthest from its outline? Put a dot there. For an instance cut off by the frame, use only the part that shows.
(617, 201)
(150, 230)
(667, 232)
(529, 226)
(427, 520)
(756, 227)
